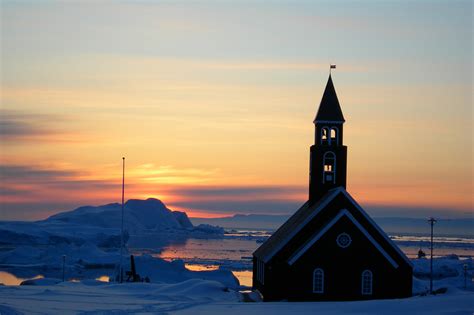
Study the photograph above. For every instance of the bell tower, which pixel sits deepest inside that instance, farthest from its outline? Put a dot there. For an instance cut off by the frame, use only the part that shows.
(328, 155)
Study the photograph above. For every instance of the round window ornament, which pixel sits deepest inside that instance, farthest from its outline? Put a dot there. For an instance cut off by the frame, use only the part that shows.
(343, 240)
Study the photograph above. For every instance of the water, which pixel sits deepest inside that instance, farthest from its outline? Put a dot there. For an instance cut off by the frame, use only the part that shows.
(9, 279)
(234, 251)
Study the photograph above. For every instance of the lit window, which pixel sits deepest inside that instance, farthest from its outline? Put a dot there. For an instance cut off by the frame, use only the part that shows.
(318, 281)
(334, 136)
(329, 169)
(324, 135)
(367, 282)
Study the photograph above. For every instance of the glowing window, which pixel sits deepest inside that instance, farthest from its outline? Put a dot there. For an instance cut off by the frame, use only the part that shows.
(324, 135)
(329, 169)
(334, 136)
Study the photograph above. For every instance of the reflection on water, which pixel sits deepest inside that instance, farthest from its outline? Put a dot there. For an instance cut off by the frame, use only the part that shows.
(103, 278)
(194, 267)
(10, 279)
(234, 251)
(244, 276)
(210, 249)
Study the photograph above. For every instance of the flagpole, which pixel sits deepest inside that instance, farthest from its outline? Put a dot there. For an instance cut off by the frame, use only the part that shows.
(121, 230)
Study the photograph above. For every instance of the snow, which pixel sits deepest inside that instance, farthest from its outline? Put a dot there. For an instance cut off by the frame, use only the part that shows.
(146, 298)
(89, 238)
(41, 281)
(149, 214)
(196, 296)
(174, 289)
(161, 271)
(448, 271)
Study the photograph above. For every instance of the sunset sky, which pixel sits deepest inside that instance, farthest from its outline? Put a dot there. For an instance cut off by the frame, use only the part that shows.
(212, 103)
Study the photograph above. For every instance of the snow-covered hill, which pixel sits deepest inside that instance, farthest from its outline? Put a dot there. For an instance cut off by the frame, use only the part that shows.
(149, 214)
(89, 238)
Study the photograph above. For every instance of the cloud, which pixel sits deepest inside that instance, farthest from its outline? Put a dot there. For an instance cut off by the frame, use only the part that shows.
(16, 126)
(417, 211)
(168, 174)
(35, 191)
(32, 173)
(272, 199)
(241, 206)
(238, 191)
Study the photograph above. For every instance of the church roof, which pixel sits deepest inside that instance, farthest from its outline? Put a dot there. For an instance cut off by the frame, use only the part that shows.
(290, 227)
(329, 108)
(305, 215)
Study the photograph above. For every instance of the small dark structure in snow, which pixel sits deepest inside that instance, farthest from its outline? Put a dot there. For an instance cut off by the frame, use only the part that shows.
(330, 249)
(132, 275)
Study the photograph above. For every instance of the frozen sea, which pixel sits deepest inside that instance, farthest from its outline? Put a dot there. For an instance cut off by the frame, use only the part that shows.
(234, 250)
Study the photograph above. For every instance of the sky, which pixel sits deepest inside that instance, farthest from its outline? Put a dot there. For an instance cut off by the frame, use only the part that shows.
(212, 103)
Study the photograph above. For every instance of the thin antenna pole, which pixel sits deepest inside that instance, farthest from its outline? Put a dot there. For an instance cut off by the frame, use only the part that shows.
(432, 222)
(121, 230)
(64, 268)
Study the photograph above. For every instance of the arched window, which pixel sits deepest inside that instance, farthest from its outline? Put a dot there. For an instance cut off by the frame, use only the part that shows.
(318, 280)
(324, 135)
(329, 171)
(334, 136)
(366, 282)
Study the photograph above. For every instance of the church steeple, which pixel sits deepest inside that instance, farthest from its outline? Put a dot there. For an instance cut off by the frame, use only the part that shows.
(329, 108)
(328, 157)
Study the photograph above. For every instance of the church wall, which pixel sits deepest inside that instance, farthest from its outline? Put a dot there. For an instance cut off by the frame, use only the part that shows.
(342, 271)
(395, 283)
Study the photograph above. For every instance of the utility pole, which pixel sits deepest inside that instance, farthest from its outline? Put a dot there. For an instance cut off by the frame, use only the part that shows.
(432, 222)
(64, 267)
(464, 267)
(121, 230)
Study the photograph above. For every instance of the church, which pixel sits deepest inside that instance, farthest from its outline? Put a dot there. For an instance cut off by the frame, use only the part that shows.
(330, 249)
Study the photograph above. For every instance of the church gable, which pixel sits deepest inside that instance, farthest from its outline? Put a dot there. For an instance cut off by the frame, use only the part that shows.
(343, 240)
(377, 232)
(326, 213)
(309, 220)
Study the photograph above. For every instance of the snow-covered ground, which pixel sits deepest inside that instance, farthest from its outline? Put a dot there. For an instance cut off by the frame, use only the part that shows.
(177, 290)
(202, 297)
(88, 238)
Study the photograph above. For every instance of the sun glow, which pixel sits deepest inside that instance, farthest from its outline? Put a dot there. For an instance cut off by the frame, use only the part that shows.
(191, 119)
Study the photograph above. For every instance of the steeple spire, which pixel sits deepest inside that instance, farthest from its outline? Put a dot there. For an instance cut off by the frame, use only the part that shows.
(329, 108)
(328, 155)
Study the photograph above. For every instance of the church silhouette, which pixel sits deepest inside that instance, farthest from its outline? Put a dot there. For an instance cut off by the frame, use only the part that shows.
(330, 249)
